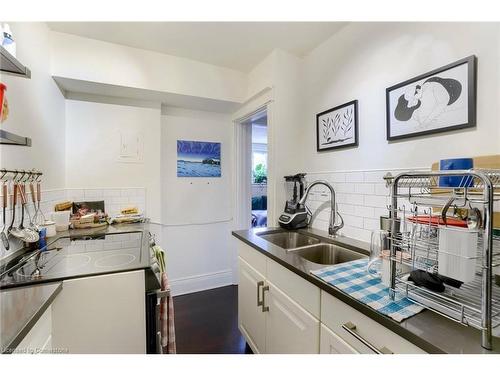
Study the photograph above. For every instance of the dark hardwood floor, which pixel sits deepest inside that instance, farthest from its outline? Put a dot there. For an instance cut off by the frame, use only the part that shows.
(207, 322)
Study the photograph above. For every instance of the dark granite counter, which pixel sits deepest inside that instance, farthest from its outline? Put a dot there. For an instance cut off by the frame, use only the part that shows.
(82, 252)
(427, 330)
(20, 309)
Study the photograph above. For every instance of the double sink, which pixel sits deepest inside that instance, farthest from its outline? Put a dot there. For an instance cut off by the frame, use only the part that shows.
(310, 248)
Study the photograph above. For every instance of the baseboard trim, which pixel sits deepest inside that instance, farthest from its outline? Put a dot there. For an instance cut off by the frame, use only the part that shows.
(198, 283)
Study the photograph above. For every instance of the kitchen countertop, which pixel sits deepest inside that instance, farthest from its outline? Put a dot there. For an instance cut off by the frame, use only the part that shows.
(23, 299)
(60, 260)
(20, 309)
(427, 330)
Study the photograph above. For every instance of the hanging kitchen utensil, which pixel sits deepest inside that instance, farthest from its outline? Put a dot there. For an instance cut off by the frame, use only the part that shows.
(3, 234)
(33, 224)
(40, 218)
(16, 232)
(29, 235)
(474, 218)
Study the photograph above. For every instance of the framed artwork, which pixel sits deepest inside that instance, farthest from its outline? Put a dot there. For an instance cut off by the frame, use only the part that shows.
(337, 127)
(198, 159)
(438, 101)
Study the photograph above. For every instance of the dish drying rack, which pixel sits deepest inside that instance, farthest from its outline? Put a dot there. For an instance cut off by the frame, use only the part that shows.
(414, 244)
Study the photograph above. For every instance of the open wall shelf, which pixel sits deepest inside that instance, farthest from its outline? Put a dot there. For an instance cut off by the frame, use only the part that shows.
(8, 138)
(10, 65)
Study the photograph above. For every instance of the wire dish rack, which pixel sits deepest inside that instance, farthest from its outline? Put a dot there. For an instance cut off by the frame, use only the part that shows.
(420, 240)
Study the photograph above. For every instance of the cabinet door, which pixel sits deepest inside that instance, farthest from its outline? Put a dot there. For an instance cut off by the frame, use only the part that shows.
(330, 343)
(101, 314)
(289, 328)
(251, 319)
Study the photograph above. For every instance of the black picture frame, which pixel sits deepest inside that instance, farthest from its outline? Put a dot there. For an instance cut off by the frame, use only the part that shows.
(471, 61)
(333, 145)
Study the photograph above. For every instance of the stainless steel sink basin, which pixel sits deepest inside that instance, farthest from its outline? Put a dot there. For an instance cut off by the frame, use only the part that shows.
(289, 240)
(325, 253)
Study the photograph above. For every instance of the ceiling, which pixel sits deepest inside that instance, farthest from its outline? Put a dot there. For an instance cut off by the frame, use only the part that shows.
(235, 45)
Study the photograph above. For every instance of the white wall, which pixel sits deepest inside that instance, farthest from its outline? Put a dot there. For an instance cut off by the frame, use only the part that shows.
(363, 59)
(92, 149)
(360, 62)
(280, 71)
(108, 63)
(196, 212)
(36, 109)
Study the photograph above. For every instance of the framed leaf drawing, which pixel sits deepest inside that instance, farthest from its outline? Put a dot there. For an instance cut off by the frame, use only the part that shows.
(337, 127)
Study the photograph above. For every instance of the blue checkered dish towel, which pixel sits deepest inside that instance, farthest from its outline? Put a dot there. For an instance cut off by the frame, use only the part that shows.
(352, 278)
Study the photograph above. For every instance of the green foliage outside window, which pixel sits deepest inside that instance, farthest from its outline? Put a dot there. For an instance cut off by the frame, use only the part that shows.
(260, 174)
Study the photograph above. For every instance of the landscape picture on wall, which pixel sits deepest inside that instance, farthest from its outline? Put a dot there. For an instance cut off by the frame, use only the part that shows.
(198, 159)
(337, 127)
(441, 100)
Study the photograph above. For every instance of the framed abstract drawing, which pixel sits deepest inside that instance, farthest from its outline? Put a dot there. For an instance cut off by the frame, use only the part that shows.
(438, 101)
(337, 127)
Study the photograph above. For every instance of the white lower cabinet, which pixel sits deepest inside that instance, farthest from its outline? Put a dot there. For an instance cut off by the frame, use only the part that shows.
(361, 332)
(289, 327)
(330, 343)
(251, 320)
(270, 319)
(280, 312)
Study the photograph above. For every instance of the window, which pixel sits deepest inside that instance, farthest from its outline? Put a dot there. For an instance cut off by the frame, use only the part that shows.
(259, 163)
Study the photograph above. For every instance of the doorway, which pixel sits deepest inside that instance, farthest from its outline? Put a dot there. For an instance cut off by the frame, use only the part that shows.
(259, 170)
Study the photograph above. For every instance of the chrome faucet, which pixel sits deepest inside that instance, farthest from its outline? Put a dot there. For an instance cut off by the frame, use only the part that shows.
(332, 228)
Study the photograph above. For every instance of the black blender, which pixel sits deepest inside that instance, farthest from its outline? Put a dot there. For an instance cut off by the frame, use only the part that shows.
(295, 214)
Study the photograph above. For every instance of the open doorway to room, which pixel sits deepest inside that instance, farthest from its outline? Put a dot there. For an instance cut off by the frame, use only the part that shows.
(254, 168)
(259, 171)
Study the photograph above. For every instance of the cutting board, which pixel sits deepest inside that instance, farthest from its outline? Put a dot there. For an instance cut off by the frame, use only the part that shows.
(480, 162)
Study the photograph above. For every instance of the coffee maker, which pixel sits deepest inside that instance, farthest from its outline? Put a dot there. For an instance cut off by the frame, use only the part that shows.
(295, 215)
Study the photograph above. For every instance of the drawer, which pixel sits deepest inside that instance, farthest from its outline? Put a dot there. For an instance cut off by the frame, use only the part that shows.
(301, 291)
(252, 257)
(330, 343)
(360, 331)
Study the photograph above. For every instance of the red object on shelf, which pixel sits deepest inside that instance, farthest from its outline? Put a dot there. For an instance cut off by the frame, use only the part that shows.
(3, 88)
(437, 220)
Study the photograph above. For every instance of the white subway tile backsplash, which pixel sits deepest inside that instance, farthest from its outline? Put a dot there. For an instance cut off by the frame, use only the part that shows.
(364, 211)
(92, 193)
(353, 221)
(119, 200)
(336, 177)
(371, 224)
(376, 201)
(364, 188)
(344, 187)
(375, 176)
(108, 193)
(381, 189)
(354, 177)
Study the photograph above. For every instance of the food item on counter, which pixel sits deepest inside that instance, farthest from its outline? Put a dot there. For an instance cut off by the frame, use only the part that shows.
(63, 206)
(130, 211)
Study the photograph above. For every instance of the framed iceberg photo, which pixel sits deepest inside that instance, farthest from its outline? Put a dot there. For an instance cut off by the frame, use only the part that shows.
(337, 127)
(198, 159)
(438, 101)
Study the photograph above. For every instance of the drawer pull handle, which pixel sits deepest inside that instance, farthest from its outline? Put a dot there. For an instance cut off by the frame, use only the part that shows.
(350, 327)
(264, 307)
(259, 301)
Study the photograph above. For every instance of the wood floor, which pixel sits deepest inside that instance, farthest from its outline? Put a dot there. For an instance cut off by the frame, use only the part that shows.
(207, 322)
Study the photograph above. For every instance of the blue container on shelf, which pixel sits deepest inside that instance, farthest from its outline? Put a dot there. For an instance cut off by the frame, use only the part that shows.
(456, 164)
